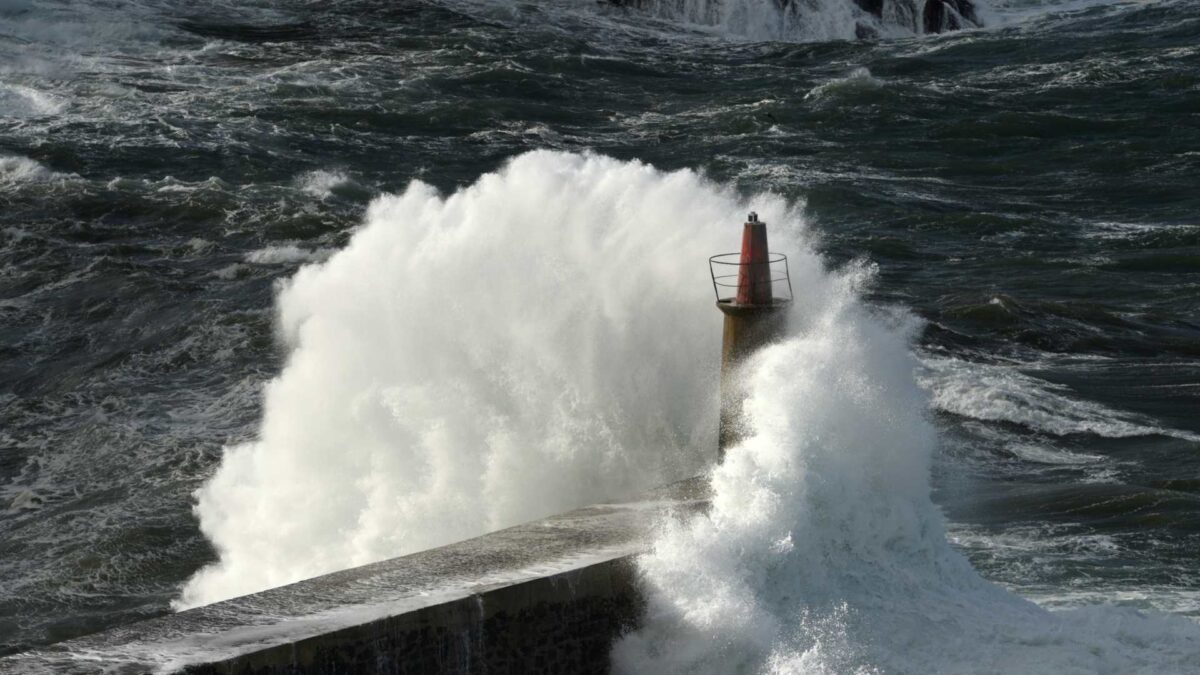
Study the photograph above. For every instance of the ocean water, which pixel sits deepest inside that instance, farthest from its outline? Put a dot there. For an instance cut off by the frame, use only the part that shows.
(287, 287)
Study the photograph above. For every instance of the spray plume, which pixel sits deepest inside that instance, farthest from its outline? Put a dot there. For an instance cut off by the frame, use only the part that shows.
(540, 340)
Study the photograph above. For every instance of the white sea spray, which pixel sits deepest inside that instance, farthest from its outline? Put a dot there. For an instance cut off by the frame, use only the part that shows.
(540, 340)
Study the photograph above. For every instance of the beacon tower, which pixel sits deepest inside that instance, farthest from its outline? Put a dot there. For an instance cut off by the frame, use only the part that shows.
(754, 290)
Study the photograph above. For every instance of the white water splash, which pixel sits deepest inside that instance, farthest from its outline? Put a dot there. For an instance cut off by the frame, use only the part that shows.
(541, 340)
(822, 552)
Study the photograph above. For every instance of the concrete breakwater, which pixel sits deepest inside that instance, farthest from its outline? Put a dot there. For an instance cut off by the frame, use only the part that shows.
(548, 596)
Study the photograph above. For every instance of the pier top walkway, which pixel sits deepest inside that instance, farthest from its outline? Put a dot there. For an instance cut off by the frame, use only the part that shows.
(362, 595)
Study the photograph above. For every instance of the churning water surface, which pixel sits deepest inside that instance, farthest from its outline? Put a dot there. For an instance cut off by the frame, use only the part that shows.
(354, 279)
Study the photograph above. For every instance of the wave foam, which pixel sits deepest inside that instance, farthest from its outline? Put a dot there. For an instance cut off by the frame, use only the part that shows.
(17, 170)
(322, 184)
(288, 253)
(996, 393)
(22, 101)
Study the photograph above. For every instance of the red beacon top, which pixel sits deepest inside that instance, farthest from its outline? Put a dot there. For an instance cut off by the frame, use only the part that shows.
(754, 268)
(758, 270)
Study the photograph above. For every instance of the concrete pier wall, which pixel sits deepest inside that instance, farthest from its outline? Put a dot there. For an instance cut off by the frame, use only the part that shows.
(561, 623)
(550, 596)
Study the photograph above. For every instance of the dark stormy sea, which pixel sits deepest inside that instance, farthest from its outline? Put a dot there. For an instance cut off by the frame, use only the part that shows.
(287, 287)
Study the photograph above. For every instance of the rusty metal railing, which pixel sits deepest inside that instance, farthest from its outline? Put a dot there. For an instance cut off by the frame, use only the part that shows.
(730, 264)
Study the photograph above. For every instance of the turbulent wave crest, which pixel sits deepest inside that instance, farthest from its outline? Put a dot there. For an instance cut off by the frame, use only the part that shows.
(14, 170)
(540, 340)
(823, 553)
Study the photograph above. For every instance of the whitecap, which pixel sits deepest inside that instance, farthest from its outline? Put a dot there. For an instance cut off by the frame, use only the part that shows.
(229, 272)
(1002, 393)
(18, 170)
(321, 184)
(859, 80)
(21, 101)
(285, 254)
(1043, 454)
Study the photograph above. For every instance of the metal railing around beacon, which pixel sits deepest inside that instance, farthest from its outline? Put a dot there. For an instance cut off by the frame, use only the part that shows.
(727, 269)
